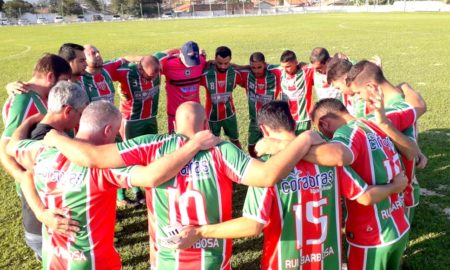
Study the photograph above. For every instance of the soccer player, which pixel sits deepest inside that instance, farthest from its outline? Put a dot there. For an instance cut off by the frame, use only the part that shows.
(319, 59)
(219, 81)
(261, 86)
(183, 73)
(88, 195)
(301, 215)
(199, 194)
(48, 70)
(377, 235)
(364, 78)
(74, 55)
(296, 89)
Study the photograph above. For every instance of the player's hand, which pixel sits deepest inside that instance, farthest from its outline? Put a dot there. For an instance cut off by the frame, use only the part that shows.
(205, 140)
(56, 220)
(269, 146)
(17, 88)
(341, 55)
(421, 160)
(400, 181)
(376, 102)
(189, 236)
(314, 137)
(202, 52)
(51, 137)
(377, 61)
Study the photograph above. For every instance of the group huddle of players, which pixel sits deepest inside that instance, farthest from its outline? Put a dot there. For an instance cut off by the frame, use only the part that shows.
(363, 150)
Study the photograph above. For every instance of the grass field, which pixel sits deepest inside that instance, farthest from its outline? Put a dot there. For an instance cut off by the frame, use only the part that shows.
(414, 47)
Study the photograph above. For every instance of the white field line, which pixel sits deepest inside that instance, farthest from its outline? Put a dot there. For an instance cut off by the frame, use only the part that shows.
(25, 51)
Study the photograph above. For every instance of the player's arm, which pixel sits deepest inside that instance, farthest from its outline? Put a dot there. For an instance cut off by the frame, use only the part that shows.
(330, 154)
(168, 166)
(84, 153)
(235, 228)
(22, 132)
(377, 193)
(414, 99)
(52, 218)
(266, 174)
(17, 88)
(405, 145)
(9, 164)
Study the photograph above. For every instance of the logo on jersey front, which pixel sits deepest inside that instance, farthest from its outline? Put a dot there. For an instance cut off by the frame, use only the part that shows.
(187, 72)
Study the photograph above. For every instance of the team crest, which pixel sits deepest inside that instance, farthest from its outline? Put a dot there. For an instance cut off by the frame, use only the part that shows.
(187, 72)
(221, 84)
(261, 85)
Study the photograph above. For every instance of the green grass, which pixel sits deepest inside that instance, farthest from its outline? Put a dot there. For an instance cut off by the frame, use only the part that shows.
(414, 47)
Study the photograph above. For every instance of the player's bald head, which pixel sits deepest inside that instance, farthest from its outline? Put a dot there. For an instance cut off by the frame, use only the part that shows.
(93, 57)
(190, 118)
(149, 66)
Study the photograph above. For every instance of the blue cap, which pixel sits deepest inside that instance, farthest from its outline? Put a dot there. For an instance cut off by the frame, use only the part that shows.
(191, 53)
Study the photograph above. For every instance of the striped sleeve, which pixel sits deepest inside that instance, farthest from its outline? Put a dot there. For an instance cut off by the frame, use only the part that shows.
(352, 186)
(27, 151)
(18, 110)
(350, 138)
(258, 203)
(112, 67)
(141, 150)
(402, 117)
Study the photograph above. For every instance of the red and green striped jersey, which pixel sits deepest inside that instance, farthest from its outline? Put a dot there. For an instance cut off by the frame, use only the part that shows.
(219, 92)
(182, 82)
(100, 86)
(412, 191)
(87, 196)
(302, 216)
(297, 91)
(18, 108)
(397, 103)
(260, 90)
(200, 194)
(376, 161)
(139, 97)
(323, 89)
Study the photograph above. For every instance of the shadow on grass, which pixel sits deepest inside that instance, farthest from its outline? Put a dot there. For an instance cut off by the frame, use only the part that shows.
(429, 240)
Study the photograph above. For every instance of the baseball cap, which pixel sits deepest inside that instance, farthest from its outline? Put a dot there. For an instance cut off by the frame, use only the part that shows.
(191, 53)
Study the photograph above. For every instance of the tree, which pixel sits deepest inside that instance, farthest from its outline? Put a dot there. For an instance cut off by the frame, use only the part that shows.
(15, 8)
(93, 4)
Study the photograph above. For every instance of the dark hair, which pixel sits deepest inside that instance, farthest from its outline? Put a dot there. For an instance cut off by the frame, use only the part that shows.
(320, 55)
(223, 52)
(337, 68)
(257, 57)
(67, 51)
(363, 72)
(52, 63)
(288, 56)
(277, 116)
(327, 107)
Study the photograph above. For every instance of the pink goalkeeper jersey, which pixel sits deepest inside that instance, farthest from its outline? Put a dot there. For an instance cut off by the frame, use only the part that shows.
(182, 83)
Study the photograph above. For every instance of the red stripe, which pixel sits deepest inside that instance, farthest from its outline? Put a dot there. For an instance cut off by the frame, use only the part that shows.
(356, 258)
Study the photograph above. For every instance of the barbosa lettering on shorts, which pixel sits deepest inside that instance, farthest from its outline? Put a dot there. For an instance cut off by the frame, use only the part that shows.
(323, 180)
(71, 255)
(206, 243)
(308, 258)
